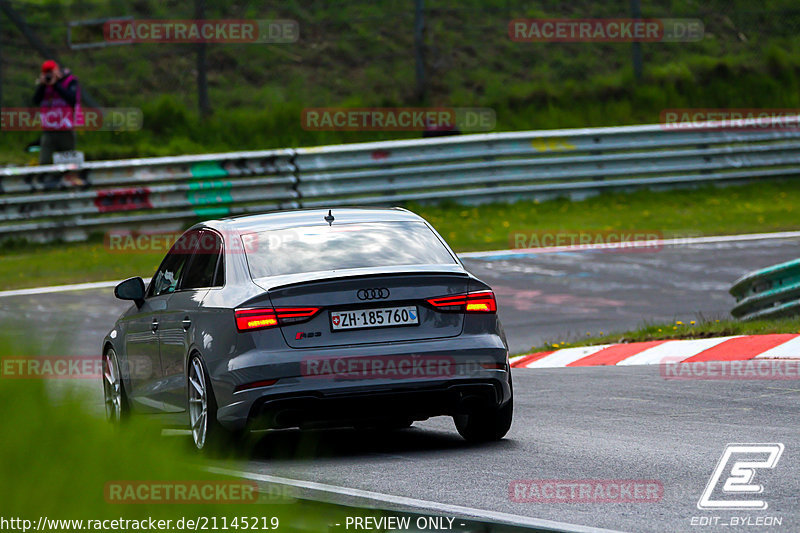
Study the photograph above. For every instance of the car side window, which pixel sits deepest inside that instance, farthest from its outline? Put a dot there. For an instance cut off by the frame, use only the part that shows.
(201, 269)
(219, 275)
(169, 273)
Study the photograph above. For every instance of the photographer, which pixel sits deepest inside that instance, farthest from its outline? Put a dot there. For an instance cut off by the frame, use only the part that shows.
(58, 97)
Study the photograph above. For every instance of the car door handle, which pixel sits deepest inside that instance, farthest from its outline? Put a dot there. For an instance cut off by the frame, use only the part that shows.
(154, 326)
(187, 323)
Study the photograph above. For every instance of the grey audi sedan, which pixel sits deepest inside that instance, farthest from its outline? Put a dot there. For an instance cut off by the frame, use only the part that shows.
(310, 318)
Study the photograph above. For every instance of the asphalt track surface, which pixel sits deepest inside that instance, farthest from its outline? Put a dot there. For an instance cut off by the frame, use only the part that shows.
(553, 297)
(596, 423)
(570, 424)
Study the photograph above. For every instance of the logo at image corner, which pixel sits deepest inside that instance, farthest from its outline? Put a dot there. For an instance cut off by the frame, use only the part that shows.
(739, 462)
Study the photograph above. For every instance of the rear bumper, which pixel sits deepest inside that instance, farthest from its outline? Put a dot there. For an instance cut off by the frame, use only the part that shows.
(475, 371)
(405, 402)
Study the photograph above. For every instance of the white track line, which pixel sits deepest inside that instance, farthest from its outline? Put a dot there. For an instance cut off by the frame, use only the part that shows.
(638, 244)
(61, 288)
(447, 509)
(788, 350)
(673, 351)
(566, 356)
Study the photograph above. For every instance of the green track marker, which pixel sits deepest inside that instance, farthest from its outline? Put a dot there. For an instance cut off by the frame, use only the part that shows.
(212, 211)
(207, 169)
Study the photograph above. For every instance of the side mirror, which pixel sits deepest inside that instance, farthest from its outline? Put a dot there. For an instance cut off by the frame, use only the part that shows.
(131, 289)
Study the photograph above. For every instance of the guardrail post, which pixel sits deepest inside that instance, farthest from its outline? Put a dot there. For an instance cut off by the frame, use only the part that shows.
(419, 49)
(636, 12)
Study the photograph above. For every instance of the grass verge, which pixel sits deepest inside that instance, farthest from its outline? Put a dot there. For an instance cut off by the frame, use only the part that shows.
(765, 206)
(36, 265)
(680, 330)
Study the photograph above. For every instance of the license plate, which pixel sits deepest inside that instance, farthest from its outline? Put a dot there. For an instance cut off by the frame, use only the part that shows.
(375, 318)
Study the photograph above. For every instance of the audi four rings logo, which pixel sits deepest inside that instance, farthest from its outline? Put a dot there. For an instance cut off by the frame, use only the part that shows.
(373, 294)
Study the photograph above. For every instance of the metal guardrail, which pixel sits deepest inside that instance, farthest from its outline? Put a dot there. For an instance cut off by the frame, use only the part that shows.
(64, 201)
(67, 201)
(772, 292)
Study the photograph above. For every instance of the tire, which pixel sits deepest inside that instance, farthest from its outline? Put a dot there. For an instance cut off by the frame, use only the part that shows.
(207, 433)
(114, 398)
(486, 424)
(403, 424)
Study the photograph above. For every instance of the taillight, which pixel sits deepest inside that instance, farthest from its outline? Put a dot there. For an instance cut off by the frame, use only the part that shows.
(250, 319)
(247, 319)
(481, 302)
(449, 303)
(473, 302)
(295, 315)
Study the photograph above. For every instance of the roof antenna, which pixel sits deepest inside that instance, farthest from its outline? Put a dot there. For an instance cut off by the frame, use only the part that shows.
(329, 218)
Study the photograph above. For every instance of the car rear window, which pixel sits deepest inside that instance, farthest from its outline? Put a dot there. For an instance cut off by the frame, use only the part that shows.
(343, 246)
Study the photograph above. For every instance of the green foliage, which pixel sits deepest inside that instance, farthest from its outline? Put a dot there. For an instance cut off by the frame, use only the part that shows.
(58, 453)
(360, 53)
(166, 116)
